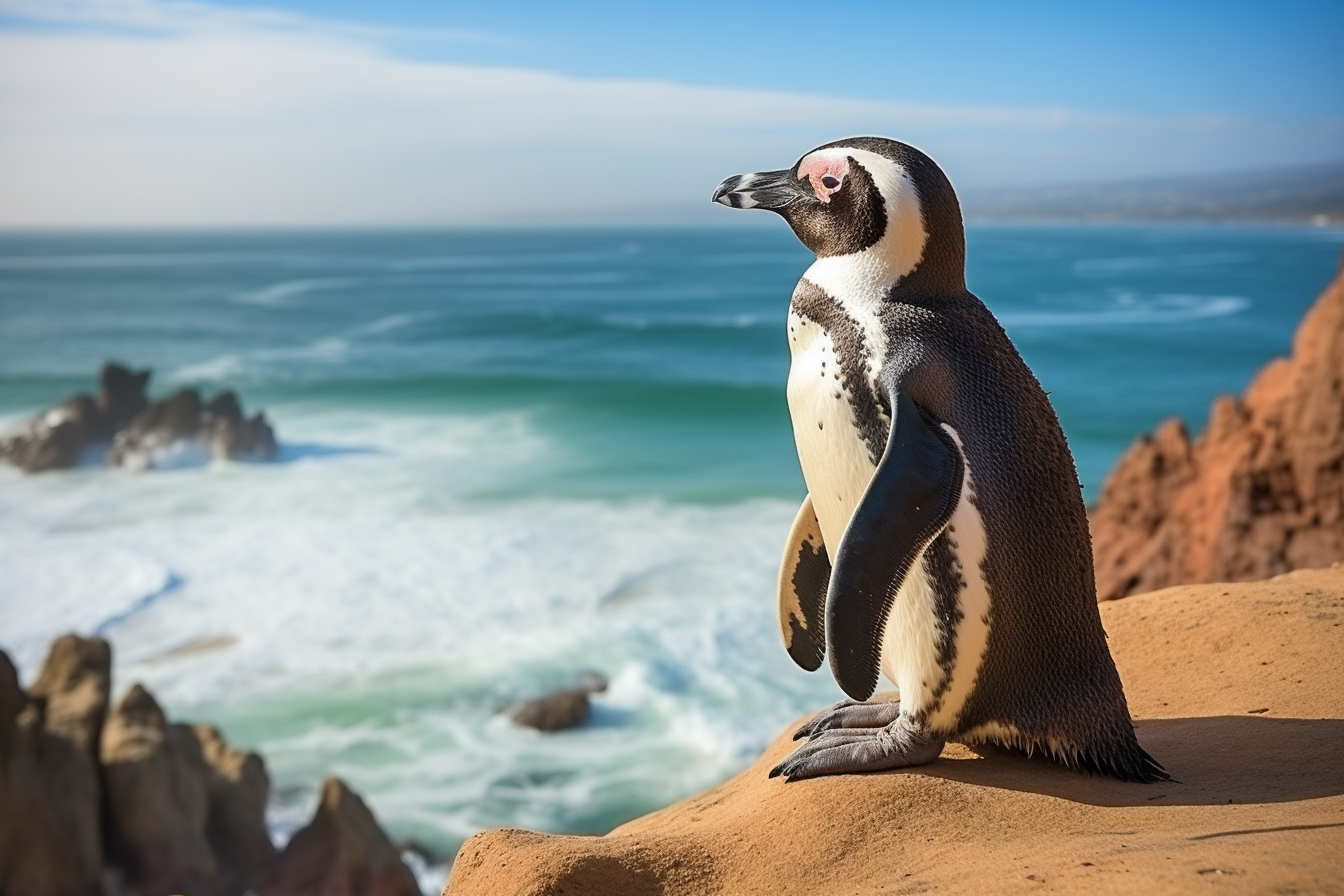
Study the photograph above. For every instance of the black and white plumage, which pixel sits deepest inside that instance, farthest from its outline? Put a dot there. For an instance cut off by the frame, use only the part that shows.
(943, 542)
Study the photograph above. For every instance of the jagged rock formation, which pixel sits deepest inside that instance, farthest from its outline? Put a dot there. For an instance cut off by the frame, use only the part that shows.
(126, 803)
(1259, 493)
(158, 799)
(235, 823)
(73, 686)
(342, 852)
(50, 843)
(182, 421)
(55, 439)
(141, 434)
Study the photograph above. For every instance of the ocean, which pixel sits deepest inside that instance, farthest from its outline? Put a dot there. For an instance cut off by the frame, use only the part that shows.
(510, 458)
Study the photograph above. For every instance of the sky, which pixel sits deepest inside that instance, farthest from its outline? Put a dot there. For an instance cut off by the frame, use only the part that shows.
(414, 113)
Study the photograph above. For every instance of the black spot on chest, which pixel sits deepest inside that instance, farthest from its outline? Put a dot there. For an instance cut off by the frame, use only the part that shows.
(870, 409)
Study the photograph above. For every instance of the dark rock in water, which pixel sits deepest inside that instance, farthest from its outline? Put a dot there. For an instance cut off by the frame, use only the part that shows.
(227, 434)
(182, 421)
(142, 435)
(341, 851)
(159, 428)
(49, 808)
(559, 710)
(121, 395)
(56, 438)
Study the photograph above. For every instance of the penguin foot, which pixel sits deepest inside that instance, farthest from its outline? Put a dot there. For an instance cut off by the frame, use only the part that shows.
(842, 751)
(850, 714)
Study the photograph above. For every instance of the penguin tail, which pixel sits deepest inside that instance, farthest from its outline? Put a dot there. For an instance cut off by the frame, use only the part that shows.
(1130, 764)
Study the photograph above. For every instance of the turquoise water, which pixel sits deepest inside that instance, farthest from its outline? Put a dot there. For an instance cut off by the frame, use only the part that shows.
(511, 457)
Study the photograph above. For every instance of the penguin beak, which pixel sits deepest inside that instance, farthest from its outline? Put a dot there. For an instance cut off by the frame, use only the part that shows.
(765, 189)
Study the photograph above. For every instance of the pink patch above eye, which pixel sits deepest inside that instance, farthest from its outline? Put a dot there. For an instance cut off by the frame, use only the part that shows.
(825, 171)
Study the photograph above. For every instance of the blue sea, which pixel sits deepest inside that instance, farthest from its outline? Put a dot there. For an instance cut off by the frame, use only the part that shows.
(510, 458)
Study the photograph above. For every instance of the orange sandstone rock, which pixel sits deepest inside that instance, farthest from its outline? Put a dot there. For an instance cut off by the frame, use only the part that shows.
(1259, 493)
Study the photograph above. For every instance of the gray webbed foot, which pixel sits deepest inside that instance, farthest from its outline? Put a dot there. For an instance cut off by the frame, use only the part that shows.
(850, 714)
(848, 750)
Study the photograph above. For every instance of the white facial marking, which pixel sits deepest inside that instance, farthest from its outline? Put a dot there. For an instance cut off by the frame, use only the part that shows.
(967, 531)
(861, 280)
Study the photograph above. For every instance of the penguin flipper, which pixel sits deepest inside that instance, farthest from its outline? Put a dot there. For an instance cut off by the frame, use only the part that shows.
(909, 501)
(803, 576)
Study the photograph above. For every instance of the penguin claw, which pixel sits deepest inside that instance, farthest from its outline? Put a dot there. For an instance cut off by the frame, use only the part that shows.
(850, 714)
(899, 744)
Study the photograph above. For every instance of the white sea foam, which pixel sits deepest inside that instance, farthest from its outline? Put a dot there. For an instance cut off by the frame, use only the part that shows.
(277, 293)
(396, 322)
(707, 321)
(360, 613)
(231, 365)
(1127, 309)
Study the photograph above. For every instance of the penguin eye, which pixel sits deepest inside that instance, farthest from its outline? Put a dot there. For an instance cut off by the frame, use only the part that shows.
(829, 182)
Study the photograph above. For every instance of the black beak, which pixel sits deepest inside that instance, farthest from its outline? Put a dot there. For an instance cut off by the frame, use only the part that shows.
(766, 189)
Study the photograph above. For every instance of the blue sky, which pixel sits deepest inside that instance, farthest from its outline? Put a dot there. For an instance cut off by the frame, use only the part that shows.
(159, 112)
(1276, 60)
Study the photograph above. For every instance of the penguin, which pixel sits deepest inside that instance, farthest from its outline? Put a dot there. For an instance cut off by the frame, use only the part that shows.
(943, 542)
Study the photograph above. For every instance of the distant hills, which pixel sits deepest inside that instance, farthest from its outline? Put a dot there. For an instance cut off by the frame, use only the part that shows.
(1311, 194)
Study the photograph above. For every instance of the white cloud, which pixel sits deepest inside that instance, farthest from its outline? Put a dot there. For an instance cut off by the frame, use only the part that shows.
(213, 116)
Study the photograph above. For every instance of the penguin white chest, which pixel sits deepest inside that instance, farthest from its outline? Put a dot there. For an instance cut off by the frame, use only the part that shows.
(835, 460)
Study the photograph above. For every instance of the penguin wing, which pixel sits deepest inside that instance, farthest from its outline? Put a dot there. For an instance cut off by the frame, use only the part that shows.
(803, 576)
(908, 502)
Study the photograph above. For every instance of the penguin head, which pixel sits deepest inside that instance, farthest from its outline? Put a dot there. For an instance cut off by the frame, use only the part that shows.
(864, 195)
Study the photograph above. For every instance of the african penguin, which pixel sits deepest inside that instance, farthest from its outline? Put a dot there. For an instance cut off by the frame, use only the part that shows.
(943, 542)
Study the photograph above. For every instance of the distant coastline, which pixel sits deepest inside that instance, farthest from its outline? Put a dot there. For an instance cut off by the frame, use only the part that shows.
(1311, 195)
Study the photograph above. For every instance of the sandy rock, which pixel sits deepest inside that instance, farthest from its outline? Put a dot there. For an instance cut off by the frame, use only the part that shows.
(49, 836)
(158, 801)
(1259, 493)
(342, 852)
(1237, 689)
(12, 697)
(74, 684)
(235, 827)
